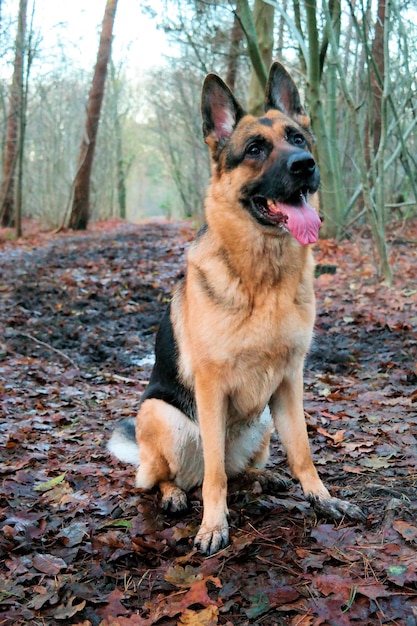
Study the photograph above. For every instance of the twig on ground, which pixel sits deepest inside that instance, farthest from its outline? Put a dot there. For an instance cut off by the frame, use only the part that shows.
(117, 377)
(49, 347)
(123, 379)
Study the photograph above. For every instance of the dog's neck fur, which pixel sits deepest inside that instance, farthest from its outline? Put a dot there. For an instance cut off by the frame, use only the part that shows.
(260, 257)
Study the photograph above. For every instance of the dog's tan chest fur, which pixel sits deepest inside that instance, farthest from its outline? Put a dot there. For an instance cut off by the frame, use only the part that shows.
(262, 320)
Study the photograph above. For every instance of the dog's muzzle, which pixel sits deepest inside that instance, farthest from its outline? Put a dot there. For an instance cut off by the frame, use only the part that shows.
(279, 198)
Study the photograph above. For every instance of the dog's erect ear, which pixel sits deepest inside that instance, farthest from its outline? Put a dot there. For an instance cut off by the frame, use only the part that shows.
(281, 92)
(220, 111)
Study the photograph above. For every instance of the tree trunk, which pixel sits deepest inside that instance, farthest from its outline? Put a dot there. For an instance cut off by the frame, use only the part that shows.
(263, 17)
(18, 210)
(236, 36)
(376, 79)
(281, 26)
(13, 121)
(332, 189)
(299, 26)
(368, 177)
(118, 138)
(81, 195)
(245, 17)
(380, 91)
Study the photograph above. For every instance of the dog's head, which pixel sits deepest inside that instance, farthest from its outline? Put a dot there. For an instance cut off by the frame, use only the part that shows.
(267, 162)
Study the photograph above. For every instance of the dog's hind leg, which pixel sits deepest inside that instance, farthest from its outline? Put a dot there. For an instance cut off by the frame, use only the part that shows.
(170, 453)
(269, 480)
(173, 498)
(288, 414)
(261, 456)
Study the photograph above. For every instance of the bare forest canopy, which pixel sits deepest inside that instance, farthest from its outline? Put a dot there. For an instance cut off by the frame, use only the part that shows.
(354, 62)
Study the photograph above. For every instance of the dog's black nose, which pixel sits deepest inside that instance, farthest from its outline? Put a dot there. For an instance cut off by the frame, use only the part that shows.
(301, 164)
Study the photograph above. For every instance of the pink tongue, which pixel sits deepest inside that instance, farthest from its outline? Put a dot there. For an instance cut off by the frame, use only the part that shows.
(303, 222)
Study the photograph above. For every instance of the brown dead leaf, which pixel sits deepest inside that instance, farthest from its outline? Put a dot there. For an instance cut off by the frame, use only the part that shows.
(113, 606)
(375, 462)
(56, 495)
(241, 541)
(132, 620)
(198, 593)
(73, 534)
(329, 536)
(406, 530)
(184, 531)
(374, 590)
(48, 564)
(68, 610)
(178, 602)
(207, 617)
(302, 620)
(42, 597)
(182, 576)
(333, 584)
(337, 438)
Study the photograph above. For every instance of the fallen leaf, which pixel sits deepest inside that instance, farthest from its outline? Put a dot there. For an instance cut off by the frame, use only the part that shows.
(337, 438)
(175, 604)
(42, 597)
(375, 462)
(373, 590)
(66, 611)
(406, 530)
(332, 584)
(302, 620)
(207, 617)
(259, 606)
(241, 541)
(401, 573)
(113, 605)
(50, 483)
(48, 564)
(331, 537)
(182, 576)
(73, 534)
(198, 593)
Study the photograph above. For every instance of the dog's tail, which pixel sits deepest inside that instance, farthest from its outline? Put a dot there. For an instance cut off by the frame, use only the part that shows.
(122, 444)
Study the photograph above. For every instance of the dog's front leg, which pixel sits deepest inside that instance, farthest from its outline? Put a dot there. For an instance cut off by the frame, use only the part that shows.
(288, 414)
(212, 406)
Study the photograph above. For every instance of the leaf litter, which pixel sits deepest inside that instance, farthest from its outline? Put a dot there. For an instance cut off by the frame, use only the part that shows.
(80, 545)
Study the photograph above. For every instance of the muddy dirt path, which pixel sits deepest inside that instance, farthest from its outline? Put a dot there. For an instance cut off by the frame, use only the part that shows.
(79, 545)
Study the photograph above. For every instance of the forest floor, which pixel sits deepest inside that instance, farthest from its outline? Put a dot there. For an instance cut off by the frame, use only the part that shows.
(80, 545)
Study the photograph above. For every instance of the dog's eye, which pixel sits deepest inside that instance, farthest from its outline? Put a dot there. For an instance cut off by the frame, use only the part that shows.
(297, 139)
(254, 150)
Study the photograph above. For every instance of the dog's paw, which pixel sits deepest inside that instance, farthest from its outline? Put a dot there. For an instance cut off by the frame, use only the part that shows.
(174, 501)
(336, 509)
(209, 541)
(270, 481)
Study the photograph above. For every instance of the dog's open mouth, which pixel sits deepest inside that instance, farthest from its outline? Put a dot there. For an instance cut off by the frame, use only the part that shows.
(294, 214)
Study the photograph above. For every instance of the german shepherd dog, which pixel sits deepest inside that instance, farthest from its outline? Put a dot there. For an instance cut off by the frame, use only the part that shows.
(235, 335)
